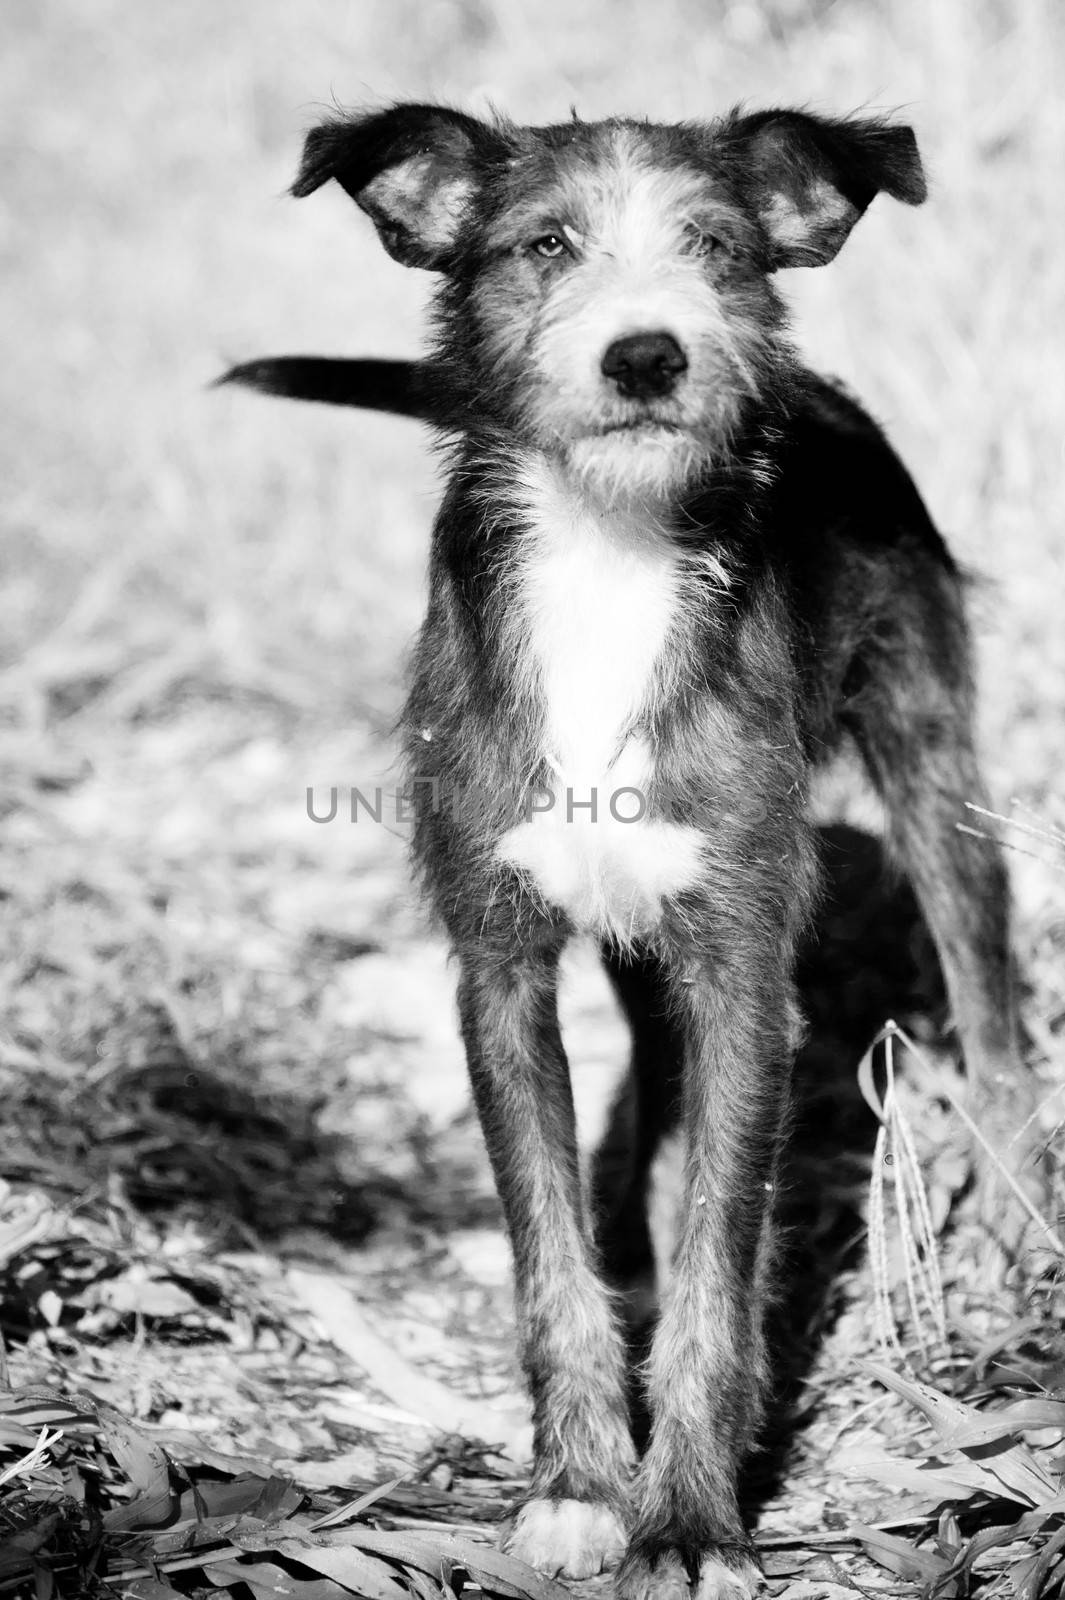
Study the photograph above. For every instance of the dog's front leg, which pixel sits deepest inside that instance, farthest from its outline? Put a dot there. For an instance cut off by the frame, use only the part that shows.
(572, 1521)
(706, 1376)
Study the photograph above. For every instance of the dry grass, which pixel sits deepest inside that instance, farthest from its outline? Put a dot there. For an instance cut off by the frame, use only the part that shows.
(218, 1017)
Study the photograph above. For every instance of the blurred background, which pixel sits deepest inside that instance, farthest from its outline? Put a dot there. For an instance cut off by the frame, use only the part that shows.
(208, 1003)
(160, 540)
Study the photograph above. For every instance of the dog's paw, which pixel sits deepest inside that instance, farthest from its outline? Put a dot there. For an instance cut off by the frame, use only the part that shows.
(718, 1581)
(567, 1538)
(665, 1577)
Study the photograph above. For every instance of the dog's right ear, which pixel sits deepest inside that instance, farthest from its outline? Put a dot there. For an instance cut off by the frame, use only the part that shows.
(411, 169)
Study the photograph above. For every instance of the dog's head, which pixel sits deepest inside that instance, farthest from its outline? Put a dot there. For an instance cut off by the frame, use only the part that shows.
(607, 293)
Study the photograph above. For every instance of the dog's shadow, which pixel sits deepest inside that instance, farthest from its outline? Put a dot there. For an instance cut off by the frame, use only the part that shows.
(245, 1163)
(869, 958)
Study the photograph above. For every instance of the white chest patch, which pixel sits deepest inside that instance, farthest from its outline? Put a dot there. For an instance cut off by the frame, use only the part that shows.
(592, 606)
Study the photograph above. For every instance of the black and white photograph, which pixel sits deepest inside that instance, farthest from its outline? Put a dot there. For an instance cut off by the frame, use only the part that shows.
(532, 815)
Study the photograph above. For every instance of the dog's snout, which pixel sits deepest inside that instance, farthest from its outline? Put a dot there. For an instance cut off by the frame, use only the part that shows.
(644, 364)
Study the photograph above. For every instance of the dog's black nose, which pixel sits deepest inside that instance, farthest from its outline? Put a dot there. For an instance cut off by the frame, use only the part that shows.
(644, 364)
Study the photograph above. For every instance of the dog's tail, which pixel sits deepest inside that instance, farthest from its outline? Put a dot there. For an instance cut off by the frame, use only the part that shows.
(405, 388)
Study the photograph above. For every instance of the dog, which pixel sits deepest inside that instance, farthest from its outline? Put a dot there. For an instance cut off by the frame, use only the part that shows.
(672, 573)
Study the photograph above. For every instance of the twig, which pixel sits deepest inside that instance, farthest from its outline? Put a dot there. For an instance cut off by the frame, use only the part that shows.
(992, 1154)
(33, 1458)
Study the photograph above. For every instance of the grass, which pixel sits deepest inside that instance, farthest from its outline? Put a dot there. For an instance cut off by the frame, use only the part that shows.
(226, 1035)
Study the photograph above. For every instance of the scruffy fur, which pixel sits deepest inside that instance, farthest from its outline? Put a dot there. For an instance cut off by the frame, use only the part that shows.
(675, 567)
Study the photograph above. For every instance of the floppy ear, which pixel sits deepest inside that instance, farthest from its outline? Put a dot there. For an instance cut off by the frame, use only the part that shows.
(410, 169)
(811, 178)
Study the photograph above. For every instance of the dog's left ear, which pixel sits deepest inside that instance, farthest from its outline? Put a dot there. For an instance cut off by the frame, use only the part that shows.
(811, 178)
(410, 168)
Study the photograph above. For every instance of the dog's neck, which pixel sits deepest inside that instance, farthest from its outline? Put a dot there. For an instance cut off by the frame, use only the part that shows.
(701, 505)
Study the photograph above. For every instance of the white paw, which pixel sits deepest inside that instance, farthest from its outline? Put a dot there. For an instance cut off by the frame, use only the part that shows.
(571, 1538)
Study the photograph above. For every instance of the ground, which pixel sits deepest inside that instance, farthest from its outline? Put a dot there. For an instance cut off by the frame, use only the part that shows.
(228, 1055)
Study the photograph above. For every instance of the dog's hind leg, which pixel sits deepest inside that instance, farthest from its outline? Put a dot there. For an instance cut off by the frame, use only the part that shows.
(572, 1349)
(912, 715)
(645, 1110)
(913, 721)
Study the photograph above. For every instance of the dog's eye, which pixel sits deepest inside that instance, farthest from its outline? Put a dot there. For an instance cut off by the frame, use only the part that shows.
(698, 242)
(550, 246)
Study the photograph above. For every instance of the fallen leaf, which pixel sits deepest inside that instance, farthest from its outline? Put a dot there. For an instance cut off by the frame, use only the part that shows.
(132, 1295)
(358, 1572)
(1012, 1468)
(145, 1465)
(901, 1557)
(266, 1581)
